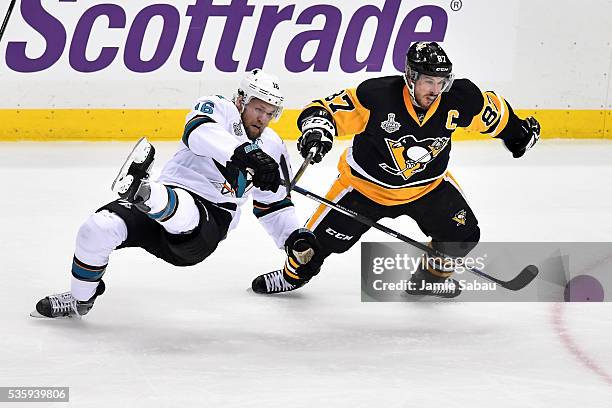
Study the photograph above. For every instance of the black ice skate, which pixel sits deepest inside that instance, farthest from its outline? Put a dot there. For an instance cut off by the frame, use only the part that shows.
(134, 171)
(273, 282)
(63, 305)
(423, 283)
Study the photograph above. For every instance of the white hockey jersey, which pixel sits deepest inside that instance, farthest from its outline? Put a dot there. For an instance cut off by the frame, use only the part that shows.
(213, 130)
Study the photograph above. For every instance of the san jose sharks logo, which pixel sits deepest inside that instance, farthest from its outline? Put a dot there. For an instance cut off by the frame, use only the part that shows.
(224, 188)
(411, 156)
(236, 183)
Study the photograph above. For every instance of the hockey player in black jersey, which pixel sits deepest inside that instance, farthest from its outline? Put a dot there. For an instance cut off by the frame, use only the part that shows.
(397, 163)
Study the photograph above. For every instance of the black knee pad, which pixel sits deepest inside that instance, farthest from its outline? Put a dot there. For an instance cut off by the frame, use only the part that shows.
(461, 248)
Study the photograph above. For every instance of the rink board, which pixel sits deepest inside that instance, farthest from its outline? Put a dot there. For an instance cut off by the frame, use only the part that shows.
(167, 124)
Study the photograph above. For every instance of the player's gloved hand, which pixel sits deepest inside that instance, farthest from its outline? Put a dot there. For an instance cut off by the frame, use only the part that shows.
(304, 261)
(530, 134)
(320, 139)
(317, 133)
(248, 157)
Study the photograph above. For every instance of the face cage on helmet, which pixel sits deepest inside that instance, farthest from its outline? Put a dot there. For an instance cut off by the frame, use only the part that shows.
(411, 76)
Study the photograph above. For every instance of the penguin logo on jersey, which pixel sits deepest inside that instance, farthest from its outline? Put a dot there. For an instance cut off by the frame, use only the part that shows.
(460, 217)
(390, 125)
(411, 156)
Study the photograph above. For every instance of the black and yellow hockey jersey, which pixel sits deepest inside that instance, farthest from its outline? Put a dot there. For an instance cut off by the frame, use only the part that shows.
(400, 153)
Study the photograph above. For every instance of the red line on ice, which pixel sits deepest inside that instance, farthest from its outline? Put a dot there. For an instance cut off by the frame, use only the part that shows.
(572, 347)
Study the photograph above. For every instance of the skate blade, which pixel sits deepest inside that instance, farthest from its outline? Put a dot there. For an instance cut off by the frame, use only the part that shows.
(37, 315)
(134, 154)
(419, 296)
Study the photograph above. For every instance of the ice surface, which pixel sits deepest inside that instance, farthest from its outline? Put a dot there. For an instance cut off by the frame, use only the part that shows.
(169, 337)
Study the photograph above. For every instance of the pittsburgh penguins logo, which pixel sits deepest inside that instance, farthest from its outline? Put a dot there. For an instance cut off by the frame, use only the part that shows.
(460, 217)
(411, 156)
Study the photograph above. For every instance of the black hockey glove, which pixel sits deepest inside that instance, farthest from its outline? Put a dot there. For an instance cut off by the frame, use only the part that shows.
(248, 157)
(318, 132)
(529, 136)
(303, 251)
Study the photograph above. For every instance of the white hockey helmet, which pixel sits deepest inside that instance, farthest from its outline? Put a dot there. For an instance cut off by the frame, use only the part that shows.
(258, 84)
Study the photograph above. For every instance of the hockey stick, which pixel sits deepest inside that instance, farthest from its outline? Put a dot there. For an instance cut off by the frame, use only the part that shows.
(302, 168)
(6, 18)
(285, 169)
(518, 282)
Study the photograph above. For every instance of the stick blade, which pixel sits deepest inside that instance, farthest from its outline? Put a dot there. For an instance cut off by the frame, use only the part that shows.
(523, 279)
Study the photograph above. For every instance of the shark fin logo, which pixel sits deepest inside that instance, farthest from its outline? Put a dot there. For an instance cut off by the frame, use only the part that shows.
(411, 156)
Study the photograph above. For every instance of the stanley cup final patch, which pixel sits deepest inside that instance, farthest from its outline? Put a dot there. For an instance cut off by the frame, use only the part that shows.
(237, 128)
(390, 125)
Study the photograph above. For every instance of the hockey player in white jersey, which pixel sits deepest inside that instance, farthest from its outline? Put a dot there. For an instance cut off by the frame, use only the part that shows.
(226, 153)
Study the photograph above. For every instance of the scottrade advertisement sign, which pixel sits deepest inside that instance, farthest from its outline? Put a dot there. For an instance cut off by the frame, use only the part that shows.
(90, 42)
(57, 45)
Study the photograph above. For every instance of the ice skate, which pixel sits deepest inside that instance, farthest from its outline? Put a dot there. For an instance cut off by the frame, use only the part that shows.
(135, 169)
(423, 283)
(273, 282)
(63, 305)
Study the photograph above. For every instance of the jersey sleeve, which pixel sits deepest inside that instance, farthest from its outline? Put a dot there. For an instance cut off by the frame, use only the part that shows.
(494, 117)
(349, 114)
(206, 133)
(274, 210)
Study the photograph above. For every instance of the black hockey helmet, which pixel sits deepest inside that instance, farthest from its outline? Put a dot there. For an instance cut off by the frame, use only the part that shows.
(427, 58)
